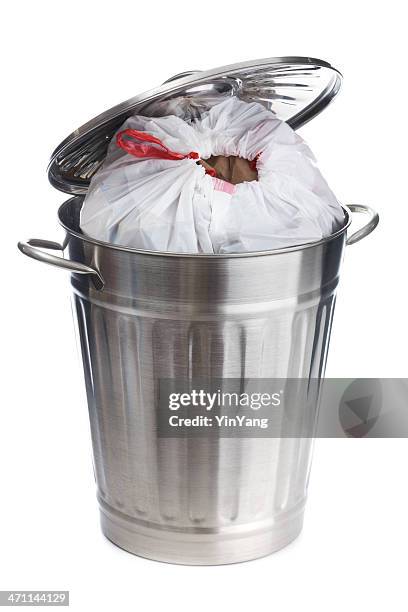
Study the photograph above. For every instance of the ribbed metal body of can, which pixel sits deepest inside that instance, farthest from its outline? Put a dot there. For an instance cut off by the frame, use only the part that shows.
(267, 316)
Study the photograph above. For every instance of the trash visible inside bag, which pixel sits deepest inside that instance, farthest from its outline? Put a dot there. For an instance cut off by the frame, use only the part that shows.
(235, 170)
(229, 179)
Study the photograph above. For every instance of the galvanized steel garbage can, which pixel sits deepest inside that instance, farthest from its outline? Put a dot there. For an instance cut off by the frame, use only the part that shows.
(145, 316)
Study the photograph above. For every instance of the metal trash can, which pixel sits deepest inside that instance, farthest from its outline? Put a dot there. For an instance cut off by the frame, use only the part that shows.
(145, 316)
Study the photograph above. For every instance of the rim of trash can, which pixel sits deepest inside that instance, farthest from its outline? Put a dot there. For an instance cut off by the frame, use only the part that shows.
(210, 256)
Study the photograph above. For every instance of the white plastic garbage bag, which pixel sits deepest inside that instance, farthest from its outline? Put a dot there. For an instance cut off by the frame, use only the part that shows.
(173, 205)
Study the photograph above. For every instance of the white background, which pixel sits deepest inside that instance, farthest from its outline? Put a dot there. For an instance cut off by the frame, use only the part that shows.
(61, 65)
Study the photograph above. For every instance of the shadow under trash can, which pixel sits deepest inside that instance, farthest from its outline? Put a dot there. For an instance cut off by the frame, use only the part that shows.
(147, 316)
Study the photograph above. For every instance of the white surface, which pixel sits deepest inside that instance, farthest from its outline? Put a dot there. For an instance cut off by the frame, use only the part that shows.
(63, 65)
(169, 205)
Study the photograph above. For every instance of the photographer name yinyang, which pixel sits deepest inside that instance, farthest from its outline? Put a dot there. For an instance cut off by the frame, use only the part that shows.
(220, 421)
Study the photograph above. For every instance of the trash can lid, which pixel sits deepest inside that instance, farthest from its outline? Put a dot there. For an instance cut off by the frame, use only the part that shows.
(296, 89)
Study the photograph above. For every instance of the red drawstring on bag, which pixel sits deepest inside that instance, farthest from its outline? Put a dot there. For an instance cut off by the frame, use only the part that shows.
(126, 140)
(142, 150)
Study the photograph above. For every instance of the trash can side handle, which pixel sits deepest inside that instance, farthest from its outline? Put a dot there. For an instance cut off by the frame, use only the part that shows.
(33, 248)
(368, 227)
